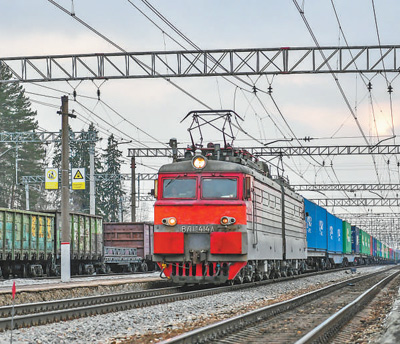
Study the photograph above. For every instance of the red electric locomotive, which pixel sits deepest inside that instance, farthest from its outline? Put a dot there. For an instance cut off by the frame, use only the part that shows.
(220, 217)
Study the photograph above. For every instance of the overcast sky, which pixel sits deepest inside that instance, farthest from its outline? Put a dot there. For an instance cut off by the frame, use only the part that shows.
(311, 104)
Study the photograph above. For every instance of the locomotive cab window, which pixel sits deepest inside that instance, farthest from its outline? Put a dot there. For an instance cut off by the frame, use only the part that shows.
(179, 188)
(216, 188)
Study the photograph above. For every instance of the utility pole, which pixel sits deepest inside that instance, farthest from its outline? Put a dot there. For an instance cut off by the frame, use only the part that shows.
(65, 225)
(133, 190)
(92, 193)
(27, 195)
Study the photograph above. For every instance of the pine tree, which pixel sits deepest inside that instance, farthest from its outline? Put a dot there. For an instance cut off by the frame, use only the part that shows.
(16, 116)
(80, 158)
(112, 191)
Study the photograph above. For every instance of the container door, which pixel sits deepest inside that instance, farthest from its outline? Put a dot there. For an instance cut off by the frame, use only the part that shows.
(346, 237)
(322, 227)
(331, 238)
(339, 238)
(311, 223)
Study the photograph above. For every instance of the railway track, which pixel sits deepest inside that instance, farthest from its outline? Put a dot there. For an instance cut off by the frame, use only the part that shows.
(32, 314)
(311, 318)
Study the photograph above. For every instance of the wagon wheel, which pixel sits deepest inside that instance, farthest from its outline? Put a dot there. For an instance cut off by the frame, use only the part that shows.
(144, 267)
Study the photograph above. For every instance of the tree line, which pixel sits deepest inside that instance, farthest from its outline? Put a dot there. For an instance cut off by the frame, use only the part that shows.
(30, 159)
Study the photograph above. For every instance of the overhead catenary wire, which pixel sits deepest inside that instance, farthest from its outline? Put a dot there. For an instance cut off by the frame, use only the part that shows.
(108, 106)
(142, 64)
(192, 44)
(301, 12)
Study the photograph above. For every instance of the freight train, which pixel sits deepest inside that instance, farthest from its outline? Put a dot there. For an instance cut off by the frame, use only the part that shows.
(30, 244)
(220, 217)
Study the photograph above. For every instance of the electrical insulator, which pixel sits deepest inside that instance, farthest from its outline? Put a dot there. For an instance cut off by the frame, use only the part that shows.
(390, 89)
(74, 94)
(254, 89)
(369, 86)
(98, 93)
(269, 89)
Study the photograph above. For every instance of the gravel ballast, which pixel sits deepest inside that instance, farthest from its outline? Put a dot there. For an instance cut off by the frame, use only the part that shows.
(155, 321)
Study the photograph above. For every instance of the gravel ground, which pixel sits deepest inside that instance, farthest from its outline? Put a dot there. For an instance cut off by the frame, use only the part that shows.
(29, 290)
(28, 281)
(161, 319)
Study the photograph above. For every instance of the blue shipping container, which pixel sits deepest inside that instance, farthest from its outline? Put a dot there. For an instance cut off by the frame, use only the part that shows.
(334, 235)
(316, 218)
(339, 241)
(331, 224)
(355, 239)
(310, 210)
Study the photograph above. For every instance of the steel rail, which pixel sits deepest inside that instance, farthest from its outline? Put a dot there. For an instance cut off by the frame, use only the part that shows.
(326, 330)
(88, 310)
(211, 332)
(29, 308)
(57, 310)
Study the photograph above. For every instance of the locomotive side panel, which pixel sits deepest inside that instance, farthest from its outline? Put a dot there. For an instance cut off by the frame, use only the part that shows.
(295, 232)
(264, 223)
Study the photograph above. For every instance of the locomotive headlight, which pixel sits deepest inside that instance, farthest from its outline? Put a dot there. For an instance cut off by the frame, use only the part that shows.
(199, 162)
(169, 221)
(226, 220)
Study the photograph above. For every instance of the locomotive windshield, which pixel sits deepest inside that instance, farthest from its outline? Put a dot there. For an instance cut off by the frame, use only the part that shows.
(219, 188)
(179, 188)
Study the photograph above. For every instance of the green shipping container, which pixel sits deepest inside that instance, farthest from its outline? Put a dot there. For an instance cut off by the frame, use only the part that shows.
(346, 235)
(365, 243)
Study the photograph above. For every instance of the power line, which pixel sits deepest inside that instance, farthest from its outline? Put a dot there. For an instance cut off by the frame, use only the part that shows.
(140, 63)
(336, 80)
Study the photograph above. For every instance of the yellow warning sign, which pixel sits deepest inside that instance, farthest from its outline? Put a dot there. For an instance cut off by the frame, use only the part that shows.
(78, 178)
(78, 175)
(51, 179)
